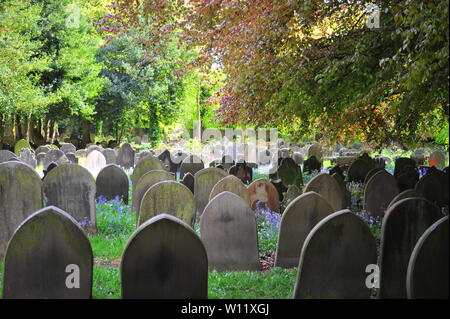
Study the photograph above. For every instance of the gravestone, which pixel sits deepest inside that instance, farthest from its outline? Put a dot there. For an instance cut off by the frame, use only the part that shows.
(298, 219)
(6, 155)
(228, 231)
(289, 195)
(68, 148)
(112, 182)
(263, 191)
(49, 168)
(281, 189)
(21, 144)
(347, 195)
(72, 158)
(316, 151)
(231, 184)
(298, 158)
(327, 187)
(358, 170)
(20, 196)
(242, 171)
(55, 156)
(311, 165)
(427, 275)
(334, 259)
(191, 164)
(45, 252)
(43, 149)
(437, 159)
(125, 156)
(434, 186)
(188, 181)
(141, 155)
(164, 258)
(419, 157)
(110, 156)
(177, 158)
(290, 173)
(165, 158)
(338, 171)
(379, 192)
(407, 178)
(81, 153)
(403, 224)
(145, 182)
(372, 172)
(27, 156)
(204, 181)
(92, 148)
(401, 163)
(409, 193)
(144, 166)
(39, 159)
(72, 188)
(95, 162)
(168, 197)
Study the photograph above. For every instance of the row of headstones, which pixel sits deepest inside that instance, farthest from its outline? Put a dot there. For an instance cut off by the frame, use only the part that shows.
(335, 256)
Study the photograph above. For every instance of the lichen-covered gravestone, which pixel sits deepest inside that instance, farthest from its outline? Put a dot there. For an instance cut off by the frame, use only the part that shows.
(191, 164)
(125, 156)
(68, 148)
(144, 166)
(188, 181)
(403, 224)
(20, 196)
(263, 191)
(28, 157)
(164, 258)
(55, 156)
(168, 197)
(327, 187)
(228, 231)
(112, 182)
(334, 259)
(145, 182)
(204, 181)
(299, 217)
(48, 257)
(290, 173)
(379, 192)
(95, 162)
(231, 184)
(19, 145)
(92, 148)
(110, 156)
(72, 188)
(427, 275)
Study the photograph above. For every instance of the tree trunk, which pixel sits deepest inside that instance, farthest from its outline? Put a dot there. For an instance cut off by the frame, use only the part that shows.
(86, 132)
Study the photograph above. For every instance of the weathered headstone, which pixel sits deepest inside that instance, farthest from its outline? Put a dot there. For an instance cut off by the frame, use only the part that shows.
(242, 171)
(299, 217)
(358, 170)
(92, 148)
(334, 259)
(204, 181)
(110, 156)
(56, 156)
(48, 257)
(68, 148)
(409, 193)
(164, 258)
(188, 181)
(403, 224)
(40, 157)
(145, 182)
(290, 173)
(21, 144)
(407, 178)
(6, 155)
(316, 151)
(43, 149)
(146, 165)
(263, 191)
(434, 186)
(20, 196)
(191, 164)
(228, 231)
(95, 162)
(231, 184)
(72, 188)
(427, 275)
(125, 156)
(401, 163)
(168, 197)
(311, 165)
(347, 195)
(72, 158)
(372, 172)
(327, 187)
(112, 182)
(379, 192)
(27, 156)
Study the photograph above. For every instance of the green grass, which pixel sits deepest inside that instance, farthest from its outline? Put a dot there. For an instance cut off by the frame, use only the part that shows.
(106, 283)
